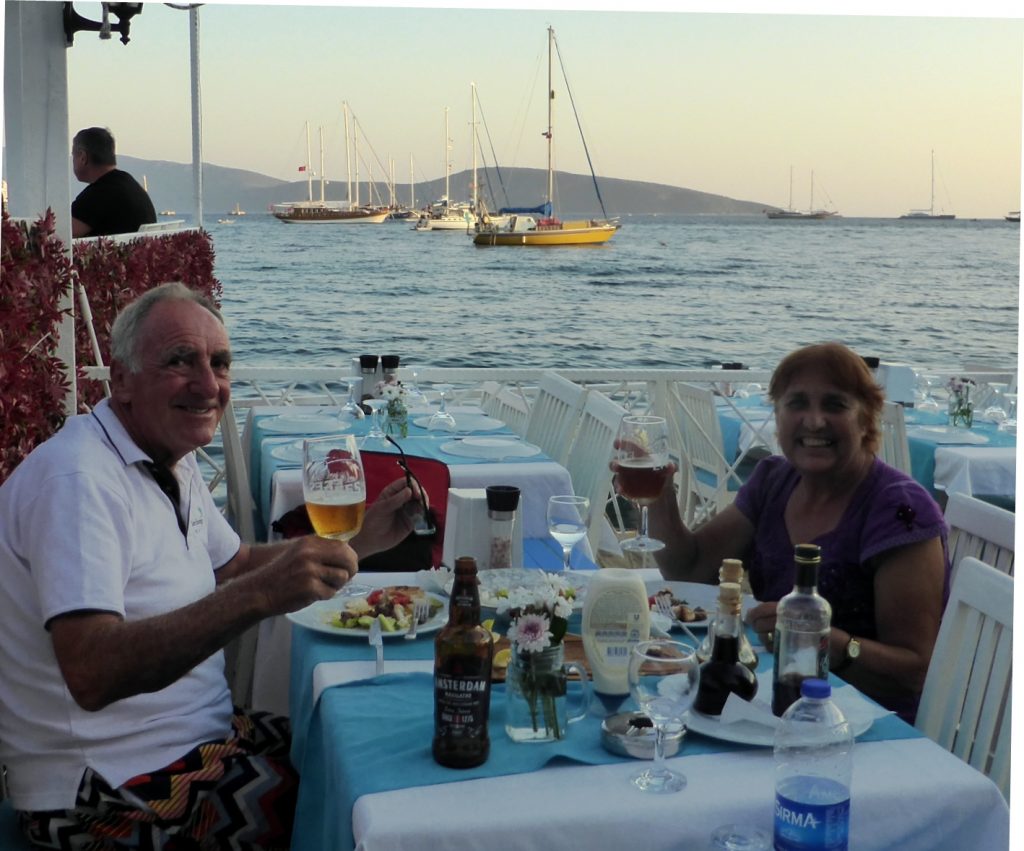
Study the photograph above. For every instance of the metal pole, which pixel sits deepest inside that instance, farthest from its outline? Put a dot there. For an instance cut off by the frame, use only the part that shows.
(197, 114)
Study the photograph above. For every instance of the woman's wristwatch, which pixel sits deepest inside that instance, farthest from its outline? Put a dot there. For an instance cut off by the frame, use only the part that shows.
(851, 653)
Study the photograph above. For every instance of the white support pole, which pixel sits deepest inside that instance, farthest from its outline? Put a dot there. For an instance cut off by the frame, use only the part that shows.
(38, 144)
(197, 114)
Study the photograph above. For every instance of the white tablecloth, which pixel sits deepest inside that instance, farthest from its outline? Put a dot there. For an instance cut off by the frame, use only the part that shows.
(977, 470)
(908, 794)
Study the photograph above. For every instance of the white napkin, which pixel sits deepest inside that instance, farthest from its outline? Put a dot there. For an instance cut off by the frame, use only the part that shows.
(860, 712)
(438, 580)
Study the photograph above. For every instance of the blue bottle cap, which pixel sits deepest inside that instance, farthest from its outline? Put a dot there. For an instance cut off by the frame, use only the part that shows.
(815, 688)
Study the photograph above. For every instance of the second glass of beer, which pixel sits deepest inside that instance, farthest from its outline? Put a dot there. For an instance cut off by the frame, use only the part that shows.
(333, 485)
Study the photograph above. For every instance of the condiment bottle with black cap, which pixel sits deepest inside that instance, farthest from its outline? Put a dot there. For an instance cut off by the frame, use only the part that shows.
(368, 375)
(389, 367)
(502, 501)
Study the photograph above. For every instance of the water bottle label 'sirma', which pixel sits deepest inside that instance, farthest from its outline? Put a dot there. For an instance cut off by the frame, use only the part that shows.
(800, 826)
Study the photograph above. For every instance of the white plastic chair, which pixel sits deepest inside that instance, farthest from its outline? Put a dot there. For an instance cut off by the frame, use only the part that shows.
(713, 479)
(511, 407)
(589, 458)
(554, 415)
(965, 706)
(980, 530)
(894, 449)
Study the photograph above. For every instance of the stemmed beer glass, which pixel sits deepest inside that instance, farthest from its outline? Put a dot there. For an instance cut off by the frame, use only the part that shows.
(333, 485)
(642, 461)
(663, 679)
(568, 519)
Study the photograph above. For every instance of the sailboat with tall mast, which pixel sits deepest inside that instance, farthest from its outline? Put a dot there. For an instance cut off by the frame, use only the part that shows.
(445, 214)
(324, 211)
(523, 228)
(930, 212)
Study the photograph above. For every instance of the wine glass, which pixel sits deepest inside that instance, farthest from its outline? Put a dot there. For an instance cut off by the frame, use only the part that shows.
(376, 431)
(351, 407)
(995, 410)
(333, 485)
(412, 388)
(568, 518)
(925, 385)
(663, 679)
(642, 460)
(441, 420)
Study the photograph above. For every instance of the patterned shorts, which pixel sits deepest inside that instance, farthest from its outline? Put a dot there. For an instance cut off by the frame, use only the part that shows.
(236, 794)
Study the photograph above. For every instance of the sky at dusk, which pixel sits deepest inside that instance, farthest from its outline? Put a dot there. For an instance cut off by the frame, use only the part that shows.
(724, 103)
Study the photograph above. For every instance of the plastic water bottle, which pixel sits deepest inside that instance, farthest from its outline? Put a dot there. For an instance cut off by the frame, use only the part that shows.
(813, 765)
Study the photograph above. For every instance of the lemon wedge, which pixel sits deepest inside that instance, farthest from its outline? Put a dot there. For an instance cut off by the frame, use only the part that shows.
(502, 658)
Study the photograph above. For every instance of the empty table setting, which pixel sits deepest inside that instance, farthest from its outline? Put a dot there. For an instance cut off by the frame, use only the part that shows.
(362, 745)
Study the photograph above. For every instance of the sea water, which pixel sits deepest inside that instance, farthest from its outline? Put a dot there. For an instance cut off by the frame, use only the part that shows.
(664, 292)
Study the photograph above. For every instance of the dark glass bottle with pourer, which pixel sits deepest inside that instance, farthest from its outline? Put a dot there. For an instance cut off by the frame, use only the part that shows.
(724, 674)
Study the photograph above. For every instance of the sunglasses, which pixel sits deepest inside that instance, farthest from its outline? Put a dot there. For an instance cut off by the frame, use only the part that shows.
(416, 508)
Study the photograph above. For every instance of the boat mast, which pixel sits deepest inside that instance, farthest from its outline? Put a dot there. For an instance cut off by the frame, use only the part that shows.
(811, 208)
(551, 100)
(348, 159)
(355, 156)
(447, 155)
(472, 97)
(309, 173)
(412, 188)
(791, 189)
(931, 209)
(322, 180)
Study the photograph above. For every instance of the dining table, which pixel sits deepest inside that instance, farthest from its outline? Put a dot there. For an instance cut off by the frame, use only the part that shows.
(979, 461)
(481, 451)
(362, 745)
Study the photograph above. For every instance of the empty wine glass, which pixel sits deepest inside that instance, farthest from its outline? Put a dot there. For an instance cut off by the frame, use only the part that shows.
(642, 471)
(568, 519)
(663, 679)
(441, 420)
(376, 432)
(995, 410)
(925, 384)
(412, 388)
(351, 407)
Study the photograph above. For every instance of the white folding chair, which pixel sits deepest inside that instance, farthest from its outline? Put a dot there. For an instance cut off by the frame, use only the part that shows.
(713, 479)
(966, 703)
(980, 530)
(894, 449)
(554, 415)
(589, 458)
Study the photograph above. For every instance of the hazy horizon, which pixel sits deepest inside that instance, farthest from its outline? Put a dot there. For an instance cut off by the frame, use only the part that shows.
(723, 103)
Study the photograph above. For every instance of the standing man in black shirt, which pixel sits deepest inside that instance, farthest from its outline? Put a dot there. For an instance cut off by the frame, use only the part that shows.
(113, 202)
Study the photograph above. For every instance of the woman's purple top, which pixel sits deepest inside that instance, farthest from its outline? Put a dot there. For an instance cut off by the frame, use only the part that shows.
(888, 510)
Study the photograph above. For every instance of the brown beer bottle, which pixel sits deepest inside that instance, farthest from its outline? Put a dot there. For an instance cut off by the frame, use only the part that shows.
(463, 651)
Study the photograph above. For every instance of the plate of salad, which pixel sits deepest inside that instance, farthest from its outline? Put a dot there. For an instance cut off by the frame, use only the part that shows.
(351, 617)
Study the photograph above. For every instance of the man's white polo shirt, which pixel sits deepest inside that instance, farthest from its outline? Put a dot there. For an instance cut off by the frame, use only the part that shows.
(83, 525)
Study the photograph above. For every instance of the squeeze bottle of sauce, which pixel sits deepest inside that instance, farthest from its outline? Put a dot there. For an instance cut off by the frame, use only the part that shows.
(616, 617)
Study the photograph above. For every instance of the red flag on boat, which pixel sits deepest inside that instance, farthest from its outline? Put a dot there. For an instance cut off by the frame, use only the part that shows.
(302, 168)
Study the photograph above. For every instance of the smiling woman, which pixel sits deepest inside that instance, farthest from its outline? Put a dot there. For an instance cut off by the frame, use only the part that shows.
(881, 535)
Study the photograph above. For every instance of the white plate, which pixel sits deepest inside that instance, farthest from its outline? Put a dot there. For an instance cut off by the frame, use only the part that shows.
(492, 448)
(947, 434)
(695, 594)
(290, 453)
(748, 732)
(303, 424)
(467, 422)
(315, 617)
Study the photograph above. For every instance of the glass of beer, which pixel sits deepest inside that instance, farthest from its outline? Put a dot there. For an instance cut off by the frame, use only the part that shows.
(333, 485)
(642, 459)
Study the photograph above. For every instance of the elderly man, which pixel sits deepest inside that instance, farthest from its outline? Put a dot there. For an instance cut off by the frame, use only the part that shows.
(113, 202)
(120, 583)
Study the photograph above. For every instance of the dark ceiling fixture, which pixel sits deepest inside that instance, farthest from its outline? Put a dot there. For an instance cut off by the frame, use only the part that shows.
(124, 12)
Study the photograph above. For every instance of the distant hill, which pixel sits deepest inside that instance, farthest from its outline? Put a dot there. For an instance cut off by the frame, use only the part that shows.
(171, 188)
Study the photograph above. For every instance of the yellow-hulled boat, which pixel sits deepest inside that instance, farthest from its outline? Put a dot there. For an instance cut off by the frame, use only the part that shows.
(525, 229)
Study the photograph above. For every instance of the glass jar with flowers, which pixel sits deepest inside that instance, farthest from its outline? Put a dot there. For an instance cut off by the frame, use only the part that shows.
(961, 408)
(394, 394)
(536, 683)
